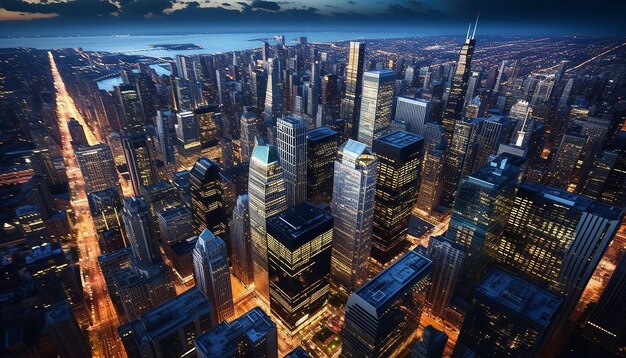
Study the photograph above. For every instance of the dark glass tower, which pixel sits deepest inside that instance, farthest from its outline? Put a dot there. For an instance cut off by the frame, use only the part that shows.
(351, 102)
(207, 199)
(299, 248)
(322, 146)
(508, 317)
(397, 180)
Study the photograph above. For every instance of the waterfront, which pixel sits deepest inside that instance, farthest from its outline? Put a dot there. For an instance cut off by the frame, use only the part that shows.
(210, 42)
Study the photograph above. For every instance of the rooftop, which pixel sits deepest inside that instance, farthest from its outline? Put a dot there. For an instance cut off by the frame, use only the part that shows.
(170, 316)
(395, 279)
(222, 340)
(500, 172)
(575, 201)
(399, 140)
(299, 224)
(520, 296)
(320, 133)
(265, 153)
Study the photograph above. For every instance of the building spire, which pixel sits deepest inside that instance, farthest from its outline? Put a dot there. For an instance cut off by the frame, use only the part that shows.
(467, 37)
(475, 26)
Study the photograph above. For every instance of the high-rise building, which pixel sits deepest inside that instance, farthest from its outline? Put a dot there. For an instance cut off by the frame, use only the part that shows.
(208, 205)
(382, 316)
(168, 330)
(459, 156)
(351, 101)
(322, 146)
(77, 133)
(567, 159)
(354, 189)
(273, 96)
(607, 323)
(209, 119)
(431, 183)
(212, 274)
(455, 104)
(66, 335)
(175, 224)
(97, 166)
(187, 129)
(140, 161)
(447, 257)
(130, 106)
(376, 104)
(481, 209)
(140, 231)
(431, 344)
(292, 151)
(249, 132)
(494, 131)
(163, 126)
(607, 179)
(299, 247)
(556, 239)
(266, 192)
(106, 210)
(397, 182)
(241, 240)
(251, 335)
(507, 317)
(414, 111)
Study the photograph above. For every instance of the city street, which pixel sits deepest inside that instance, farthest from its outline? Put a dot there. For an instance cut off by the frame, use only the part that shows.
(104, 322)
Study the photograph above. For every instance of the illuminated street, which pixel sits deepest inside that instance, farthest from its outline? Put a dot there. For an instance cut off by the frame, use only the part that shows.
(103, 330)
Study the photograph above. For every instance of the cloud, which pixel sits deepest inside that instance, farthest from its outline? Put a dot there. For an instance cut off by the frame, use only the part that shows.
(265, 5)
(7, 15)
(79, 9)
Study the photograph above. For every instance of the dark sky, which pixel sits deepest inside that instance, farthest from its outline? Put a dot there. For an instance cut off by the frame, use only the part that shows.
(41, 17)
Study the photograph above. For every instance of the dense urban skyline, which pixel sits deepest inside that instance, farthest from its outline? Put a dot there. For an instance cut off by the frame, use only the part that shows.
(313, 193)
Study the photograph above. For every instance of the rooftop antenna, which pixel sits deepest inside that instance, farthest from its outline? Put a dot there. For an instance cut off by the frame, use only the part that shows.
(475, 26)
(522, 133)
(468, 31)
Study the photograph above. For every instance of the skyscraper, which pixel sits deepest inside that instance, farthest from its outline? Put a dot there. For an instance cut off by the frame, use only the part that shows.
(507, 317)
(607, 179)
(168, 330)
(251, 335)
(209, 119)
(447, 257)
(299, 247)
(607, 323)
(455, 104)
(567, 159)
(175, 225)
(249, 131)
(351, 101)
(431, 183)
(164, 135)
(322, 146)
(459, 156)
(140, 231)
(273, 97)
(140, 161)
(494, 131)
(376, 103)
(291, 142)
(383, 315)
(97, 166)
(241, 240)
(77, 132)
(354, 189)
(414, 111)
(130, 106)
(556, 239)
(266, 192)
(397, 182)
(432, 344)
(206, 186)
(65, 332)
(187, 129)
(481, 209)
(212, 274)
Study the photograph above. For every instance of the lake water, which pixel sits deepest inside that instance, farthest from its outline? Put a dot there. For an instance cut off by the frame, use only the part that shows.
(210, 42)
